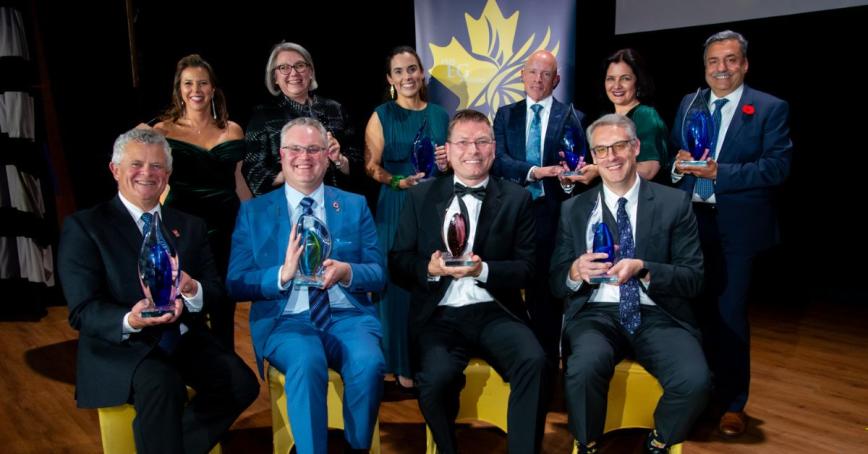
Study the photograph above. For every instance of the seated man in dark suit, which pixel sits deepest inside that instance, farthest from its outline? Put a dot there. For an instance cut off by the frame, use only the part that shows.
(124, 357)
(459, 312)
(645, 313)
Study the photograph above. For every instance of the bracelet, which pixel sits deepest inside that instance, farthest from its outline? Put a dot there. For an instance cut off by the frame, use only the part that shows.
(395, 181)
(339, 162)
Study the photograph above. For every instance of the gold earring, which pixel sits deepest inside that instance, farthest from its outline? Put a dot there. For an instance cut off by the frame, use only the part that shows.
(392, 91)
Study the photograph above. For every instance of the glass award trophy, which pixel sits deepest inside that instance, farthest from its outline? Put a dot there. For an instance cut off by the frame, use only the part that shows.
(696, 130)
(422, 155)
(316, 244)
(603, 243)
(456, 236)
(574, 152)
(159, 272)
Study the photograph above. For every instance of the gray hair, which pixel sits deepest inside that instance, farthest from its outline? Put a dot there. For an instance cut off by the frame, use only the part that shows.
(270, 82)
(723, 36)
(145, 136)
(619, 121)
(305, 121)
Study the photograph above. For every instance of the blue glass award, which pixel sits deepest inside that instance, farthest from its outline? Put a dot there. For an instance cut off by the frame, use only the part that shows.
(422, 156)
(159, 272)
(603, 243)
(574, 158)
(316, 244)
(696, 130)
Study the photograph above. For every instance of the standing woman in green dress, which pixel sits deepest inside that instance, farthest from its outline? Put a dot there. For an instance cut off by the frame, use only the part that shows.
(389, 139)
(206, 181)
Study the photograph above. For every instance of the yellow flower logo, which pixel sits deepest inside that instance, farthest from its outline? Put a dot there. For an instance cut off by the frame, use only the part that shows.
(490, 73)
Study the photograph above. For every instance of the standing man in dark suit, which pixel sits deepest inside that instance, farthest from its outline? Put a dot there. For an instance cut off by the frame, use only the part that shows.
(733, 197)
(645, 313)
(471, 311)
(528, 135)
(125, 357)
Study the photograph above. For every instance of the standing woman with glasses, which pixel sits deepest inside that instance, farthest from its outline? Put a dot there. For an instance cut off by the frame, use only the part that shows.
(291, 77)
(206, 181)
(389, 140)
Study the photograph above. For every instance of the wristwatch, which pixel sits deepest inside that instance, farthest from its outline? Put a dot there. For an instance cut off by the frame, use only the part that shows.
(339, 162)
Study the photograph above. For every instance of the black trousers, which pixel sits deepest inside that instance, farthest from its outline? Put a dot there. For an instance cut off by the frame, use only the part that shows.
(165, 422)
(545, 310)
(486, 331)
(596, 342)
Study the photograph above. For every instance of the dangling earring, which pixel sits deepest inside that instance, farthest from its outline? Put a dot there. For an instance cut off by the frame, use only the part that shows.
(213, 109)
(392, 91)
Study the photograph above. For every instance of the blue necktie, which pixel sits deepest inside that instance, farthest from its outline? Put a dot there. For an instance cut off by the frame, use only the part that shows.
(534, 148)
(628, 309)
(317, 298)
(171, 333)
(705, 187)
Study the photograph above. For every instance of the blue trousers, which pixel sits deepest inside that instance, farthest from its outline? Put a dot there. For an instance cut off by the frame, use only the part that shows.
(350, 344)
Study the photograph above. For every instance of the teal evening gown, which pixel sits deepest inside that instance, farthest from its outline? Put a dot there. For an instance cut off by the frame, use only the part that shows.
(399, 129)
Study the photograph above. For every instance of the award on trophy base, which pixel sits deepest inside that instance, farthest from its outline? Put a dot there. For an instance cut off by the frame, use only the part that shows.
(603, 243)
(316, 244)
(696, 130)
(456, 242)
(159, 273)
(422, 155)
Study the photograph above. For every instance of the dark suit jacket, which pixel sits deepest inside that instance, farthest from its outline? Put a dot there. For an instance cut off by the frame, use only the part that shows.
(510, 125)
(98, 269)
(504, 240)
(666, 240)
(754, 160)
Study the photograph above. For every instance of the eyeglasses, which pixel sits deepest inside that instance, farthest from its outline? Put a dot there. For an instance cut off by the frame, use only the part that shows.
(619, 147)
(297, 150)
(481, 144)
(299, 67)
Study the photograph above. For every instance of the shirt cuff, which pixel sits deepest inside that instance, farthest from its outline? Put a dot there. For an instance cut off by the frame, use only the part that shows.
(288, 283)
(483, 275)
(676, 177)
(573, 285)
(349, 281)
(530, 177)
(195, 302)
(127, 329)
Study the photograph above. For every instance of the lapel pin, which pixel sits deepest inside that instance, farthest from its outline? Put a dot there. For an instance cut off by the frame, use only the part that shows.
(336, 206)
(176, 233)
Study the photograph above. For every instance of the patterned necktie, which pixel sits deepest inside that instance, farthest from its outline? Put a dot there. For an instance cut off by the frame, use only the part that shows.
(171, 334)
(317, 298)
(705, 187)
(534, 148)
(628, 309)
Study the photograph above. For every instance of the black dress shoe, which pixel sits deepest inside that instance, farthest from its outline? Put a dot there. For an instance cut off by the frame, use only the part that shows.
(654, 444)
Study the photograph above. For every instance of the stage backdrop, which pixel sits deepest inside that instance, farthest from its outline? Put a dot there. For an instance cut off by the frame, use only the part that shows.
(473, 50)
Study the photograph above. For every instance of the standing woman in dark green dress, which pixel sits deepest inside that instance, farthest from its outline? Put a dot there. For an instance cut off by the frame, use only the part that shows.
(206, 179)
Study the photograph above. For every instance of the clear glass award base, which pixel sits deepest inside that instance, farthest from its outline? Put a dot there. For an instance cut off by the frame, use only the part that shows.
(463, 260)
(301, 280)
(603, 279)
(572, 173)
(694, 163)
(158, 311)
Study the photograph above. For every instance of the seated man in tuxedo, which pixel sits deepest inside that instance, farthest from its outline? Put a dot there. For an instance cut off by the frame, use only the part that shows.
(303, 331)
(125, 357)
(645, 312)
(459, 312)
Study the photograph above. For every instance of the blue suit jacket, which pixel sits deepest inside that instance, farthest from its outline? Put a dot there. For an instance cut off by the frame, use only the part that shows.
(510, 124)
(754, 160)
(259, 247)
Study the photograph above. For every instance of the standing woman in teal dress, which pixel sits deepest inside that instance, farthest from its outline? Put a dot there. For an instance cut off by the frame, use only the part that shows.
(388, 144)
(206, 181)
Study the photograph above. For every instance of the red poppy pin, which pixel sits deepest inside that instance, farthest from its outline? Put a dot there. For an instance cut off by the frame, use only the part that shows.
(176, 233)
(748, 109)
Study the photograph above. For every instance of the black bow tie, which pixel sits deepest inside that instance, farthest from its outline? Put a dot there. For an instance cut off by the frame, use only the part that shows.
(461, 190)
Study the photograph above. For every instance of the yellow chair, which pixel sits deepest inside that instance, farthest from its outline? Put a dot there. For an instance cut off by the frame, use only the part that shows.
(633, 396)
(485, 397)
(281, 431)
(116, 428)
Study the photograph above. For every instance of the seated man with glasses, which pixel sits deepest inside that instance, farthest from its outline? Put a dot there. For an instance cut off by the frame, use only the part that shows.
(645, 312)
(304, 331)
(459, 312)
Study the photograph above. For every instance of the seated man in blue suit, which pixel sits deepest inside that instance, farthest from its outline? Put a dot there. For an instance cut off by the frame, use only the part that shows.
(733, 197)
(304, 331)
